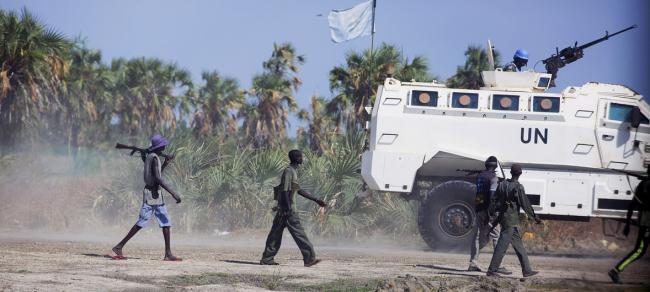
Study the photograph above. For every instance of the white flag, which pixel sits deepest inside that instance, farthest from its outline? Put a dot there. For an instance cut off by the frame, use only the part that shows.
(351, 23)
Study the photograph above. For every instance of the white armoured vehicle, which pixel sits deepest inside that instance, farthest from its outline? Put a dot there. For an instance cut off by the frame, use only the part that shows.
(570, 144)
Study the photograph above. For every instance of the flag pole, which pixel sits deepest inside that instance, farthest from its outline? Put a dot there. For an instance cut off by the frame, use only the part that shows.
(372, 45)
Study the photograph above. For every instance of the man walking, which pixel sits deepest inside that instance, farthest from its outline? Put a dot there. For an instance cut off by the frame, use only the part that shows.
(153, 202)
(287, 218)
(640, 203)
(486, 186)
(510, 198)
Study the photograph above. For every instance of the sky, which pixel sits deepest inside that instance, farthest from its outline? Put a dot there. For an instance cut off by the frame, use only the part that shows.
(235, 37)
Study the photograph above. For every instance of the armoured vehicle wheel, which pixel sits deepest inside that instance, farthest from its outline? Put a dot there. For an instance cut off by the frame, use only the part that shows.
(446, 217)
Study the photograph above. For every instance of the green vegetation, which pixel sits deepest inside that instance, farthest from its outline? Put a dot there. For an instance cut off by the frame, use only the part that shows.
(230, 142)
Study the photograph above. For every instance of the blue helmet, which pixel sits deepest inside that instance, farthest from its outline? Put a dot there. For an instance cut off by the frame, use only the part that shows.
(521, 54)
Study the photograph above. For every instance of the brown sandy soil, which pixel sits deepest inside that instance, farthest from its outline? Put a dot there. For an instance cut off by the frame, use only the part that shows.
(28, 264)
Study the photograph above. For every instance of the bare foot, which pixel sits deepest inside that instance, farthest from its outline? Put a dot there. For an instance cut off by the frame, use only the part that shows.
(172, 258)
(118, 251)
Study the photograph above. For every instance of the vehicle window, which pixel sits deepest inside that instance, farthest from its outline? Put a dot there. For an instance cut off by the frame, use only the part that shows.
(621, 112)
(505, 102)
(424, 98)
(464, 100)
(548, 104)
(543, 82)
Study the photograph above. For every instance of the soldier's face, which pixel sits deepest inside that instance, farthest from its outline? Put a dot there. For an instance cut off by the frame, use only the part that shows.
(521, 62)
(299, 158)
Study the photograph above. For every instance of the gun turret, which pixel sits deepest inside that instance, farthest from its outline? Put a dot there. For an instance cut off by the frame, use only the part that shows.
(571, 54)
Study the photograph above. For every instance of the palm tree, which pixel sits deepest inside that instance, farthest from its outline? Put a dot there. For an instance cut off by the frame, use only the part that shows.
(32, 66)
(266, 118)
(217, 99)
(320, 124)
(469, 75)
(351, 86)
(86, 110)
(151, 94)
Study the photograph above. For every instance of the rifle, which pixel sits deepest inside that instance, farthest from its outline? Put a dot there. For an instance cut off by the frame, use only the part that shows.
(571, 54)
(135, 149)
(639, 176)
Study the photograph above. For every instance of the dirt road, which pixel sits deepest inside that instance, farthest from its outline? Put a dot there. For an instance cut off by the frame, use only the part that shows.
(77, 265)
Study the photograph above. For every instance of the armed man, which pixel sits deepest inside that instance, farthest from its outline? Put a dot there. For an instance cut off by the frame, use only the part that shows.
(486, 186)
(153, 201)
(520, 59)
(510, 198)
(640, 203)
(286, 216)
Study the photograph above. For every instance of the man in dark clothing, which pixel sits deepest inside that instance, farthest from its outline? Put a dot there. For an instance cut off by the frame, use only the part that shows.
(286, 217)
(510, 198)
(153, 202)
(486, 185)
(640, 203)
(520, 59)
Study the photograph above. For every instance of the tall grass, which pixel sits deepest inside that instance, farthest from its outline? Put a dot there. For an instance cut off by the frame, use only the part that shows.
(227, 186)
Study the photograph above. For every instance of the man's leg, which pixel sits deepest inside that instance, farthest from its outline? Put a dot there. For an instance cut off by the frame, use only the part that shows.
(501, 248)
(165, 224)
(520, 250)
(475, 248)
(475, 251)
(642, 241)
(143, 218)
(300, 237)
(494, 237)
(273, 240)
(118, 248)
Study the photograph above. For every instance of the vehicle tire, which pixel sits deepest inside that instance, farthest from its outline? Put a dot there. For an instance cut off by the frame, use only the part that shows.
(446, 217)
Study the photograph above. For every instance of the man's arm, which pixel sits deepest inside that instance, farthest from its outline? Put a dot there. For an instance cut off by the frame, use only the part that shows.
(311, 197)
(168, 159)
(493, 208)
(525, 204)
(159, 181)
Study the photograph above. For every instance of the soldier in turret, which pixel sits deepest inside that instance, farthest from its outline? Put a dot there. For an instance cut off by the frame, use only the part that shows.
(640, 203)
(510, 198)
(520, 59)
(486, 185)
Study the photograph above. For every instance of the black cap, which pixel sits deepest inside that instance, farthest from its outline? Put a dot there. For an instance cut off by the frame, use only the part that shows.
(515, 169)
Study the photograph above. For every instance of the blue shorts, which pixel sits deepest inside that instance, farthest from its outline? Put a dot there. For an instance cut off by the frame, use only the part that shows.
(160, 211)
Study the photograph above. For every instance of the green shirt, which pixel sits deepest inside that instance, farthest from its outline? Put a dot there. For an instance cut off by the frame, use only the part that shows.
(290, 183)
(510, 198)
(290, 179)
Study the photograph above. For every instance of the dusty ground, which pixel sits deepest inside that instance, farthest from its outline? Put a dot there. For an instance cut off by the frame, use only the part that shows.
(73, 263)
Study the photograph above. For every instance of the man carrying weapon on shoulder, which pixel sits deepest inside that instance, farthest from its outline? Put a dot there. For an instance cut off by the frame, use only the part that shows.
(510, 198)
(486, 185)
(153, 202)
